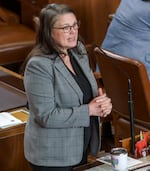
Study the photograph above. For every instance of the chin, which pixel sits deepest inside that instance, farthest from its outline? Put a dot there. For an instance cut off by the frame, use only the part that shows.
(72, 45)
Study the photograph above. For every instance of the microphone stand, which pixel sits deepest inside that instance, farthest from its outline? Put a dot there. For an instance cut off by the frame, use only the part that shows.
(131, 110)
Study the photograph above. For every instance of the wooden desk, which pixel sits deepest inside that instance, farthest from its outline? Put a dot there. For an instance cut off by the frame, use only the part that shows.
(12, 78)
(141, 167)
(11, 97)
(126, 142)
(11, 90)
(87, 166)
(11, 149)
(11, 139)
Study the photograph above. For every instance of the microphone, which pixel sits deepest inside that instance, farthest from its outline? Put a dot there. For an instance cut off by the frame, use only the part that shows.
(131, 110)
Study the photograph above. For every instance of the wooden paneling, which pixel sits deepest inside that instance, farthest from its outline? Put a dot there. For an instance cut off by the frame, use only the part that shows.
(93, 15)
(96, 22)
(11, 97)
(11, 151)
(112, 5)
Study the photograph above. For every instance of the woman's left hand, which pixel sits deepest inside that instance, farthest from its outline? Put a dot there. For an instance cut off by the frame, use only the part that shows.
(105, 103)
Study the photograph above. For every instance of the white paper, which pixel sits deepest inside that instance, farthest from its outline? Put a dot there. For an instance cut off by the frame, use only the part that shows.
(107, 160)
(7, 120)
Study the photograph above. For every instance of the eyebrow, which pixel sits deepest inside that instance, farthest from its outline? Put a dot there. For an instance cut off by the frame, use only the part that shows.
(67, 24)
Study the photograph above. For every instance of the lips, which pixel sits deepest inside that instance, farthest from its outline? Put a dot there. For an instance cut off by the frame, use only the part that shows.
(71, 39)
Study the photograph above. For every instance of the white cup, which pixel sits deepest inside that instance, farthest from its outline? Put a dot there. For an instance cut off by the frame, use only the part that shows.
(119, 159)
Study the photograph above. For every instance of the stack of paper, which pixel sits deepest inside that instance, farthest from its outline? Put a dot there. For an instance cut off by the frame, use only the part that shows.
(7, 120)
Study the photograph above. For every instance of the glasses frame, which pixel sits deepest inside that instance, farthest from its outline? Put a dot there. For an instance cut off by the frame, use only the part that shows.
(67, 28)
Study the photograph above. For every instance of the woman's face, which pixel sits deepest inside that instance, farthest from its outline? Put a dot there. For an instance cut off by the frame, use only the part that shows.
(65, 31)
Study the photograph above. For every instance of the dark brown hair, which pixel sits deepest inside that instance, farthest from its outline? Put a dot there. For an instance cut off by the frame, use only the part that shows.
(45, 44)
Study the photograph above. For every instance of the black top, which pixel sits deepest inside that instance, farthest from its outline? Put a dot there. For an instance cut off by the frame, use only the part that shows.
(82, 81)
(87, 96)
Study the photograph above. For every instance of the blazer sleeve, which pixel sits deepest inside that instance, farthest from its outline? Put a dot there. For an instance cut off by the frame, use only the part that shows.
(39, 86)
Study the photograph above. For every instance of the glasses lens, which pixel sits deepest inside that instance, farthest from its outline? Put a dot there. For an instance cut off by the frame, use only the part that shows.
(75, 26)
(67, 29)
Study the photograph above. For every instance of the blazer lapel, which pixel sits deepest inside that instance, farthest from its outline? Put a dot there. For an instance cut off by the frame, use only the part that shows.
(85, 68)
(66, 74)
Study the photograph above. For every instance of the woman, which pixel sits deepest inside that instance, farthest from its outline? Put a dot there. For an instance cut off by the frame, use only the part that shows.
(62, 93)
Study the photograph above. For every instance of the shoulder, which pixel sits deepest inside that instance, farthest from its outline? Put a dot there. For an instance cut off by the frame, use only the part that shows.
(40, 60)
(40, 64)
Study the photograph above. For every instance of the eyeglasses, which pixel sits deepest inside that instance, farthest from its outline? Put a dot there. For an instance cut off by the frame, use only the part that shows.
(67, 29)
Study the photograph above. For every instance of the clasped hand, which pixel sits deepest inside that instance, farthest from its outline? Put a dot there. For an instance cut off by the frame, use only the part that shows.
(100, 105)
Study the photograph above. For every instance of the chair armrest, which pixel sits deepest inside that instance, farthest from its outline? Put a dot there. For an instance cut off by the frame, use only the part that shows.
(10, 72)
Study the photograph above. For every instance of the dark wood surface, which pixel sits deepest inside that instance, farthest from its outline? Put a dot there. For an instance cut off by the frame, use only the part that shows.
(11, 149)
(12, 78)
(87, 166)
(11, 97)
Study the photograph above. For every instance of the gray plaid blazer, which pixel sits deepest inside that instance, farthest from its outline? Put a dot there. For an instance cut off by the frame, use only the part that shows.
(55, 129)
